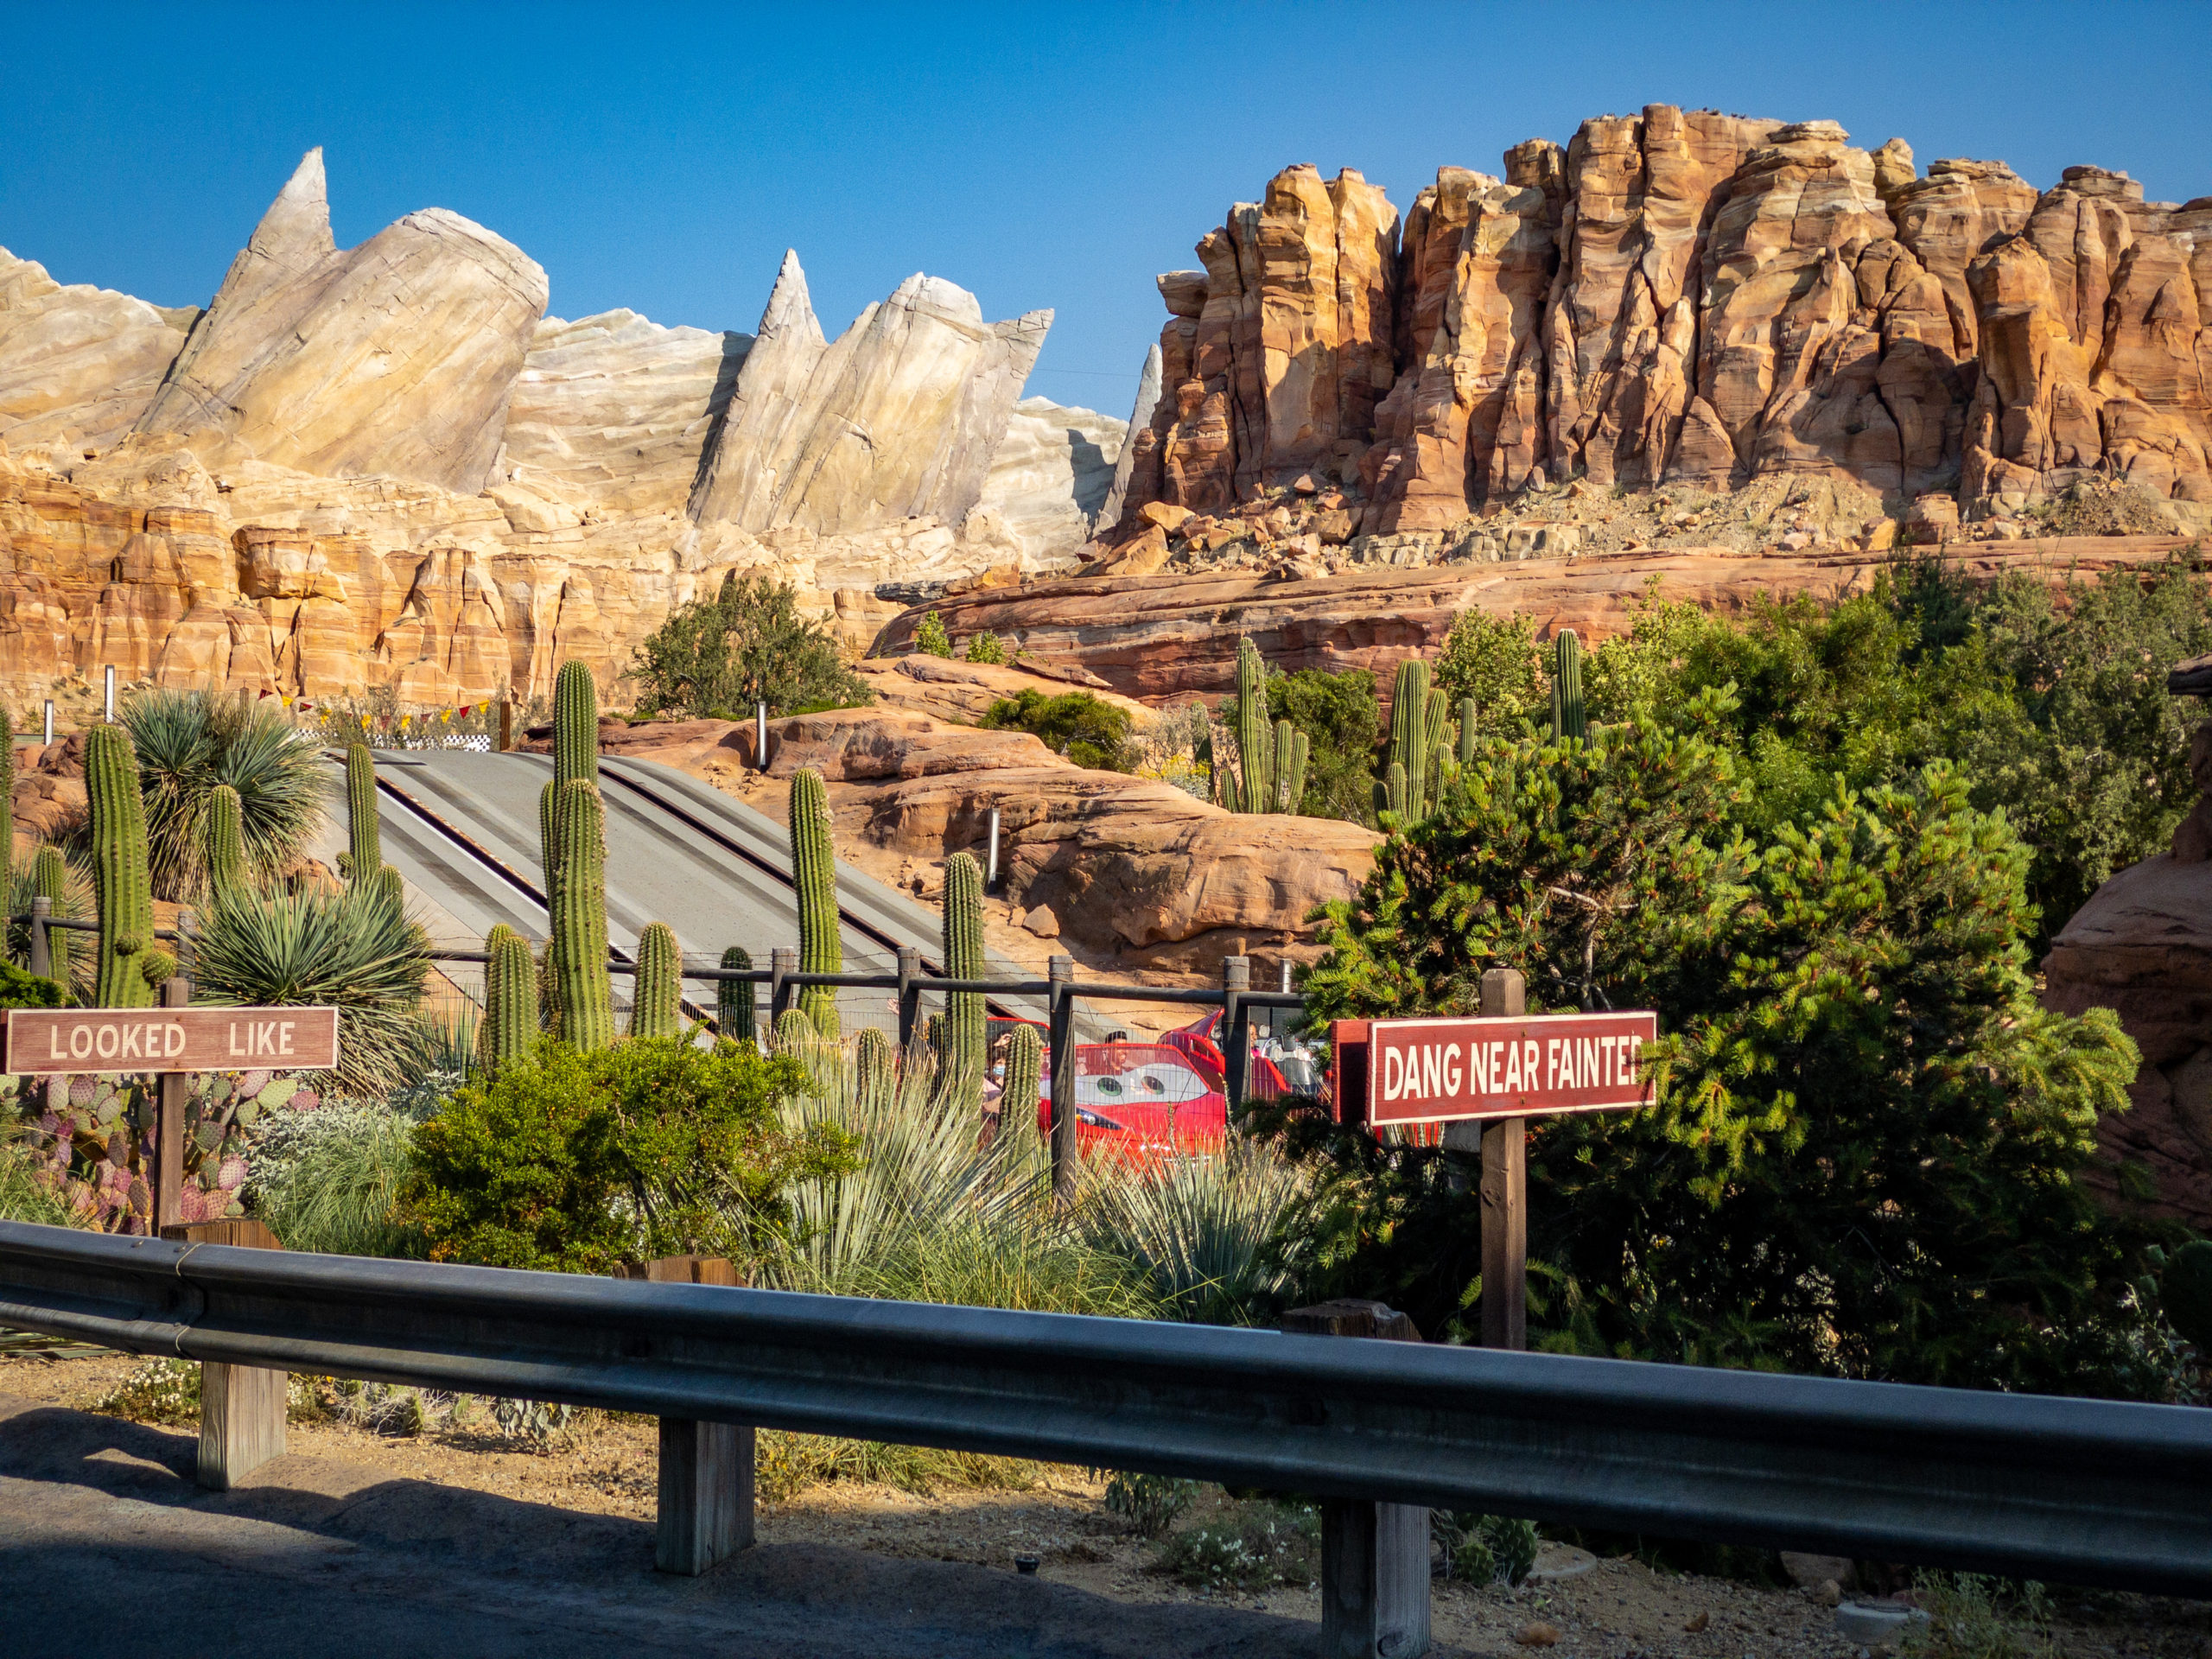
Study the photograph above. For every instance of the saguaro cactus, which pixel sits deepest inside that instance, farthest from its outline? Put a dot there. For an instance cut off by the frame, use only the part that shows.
(1466, 731)
(814, 869)
(509, 998)
(576, 725)
(1025, 1072)
(1417, 721)
(121, 881)
(872, 1065)
(794, 1026)
(1291, 748)
(961, 1078)
(223, 848)
(580, 919)
(733, 997)
(391, 887)
(1254, 750)
(1567, 719)
(50, 879)
(364, 853)
(657, 1008)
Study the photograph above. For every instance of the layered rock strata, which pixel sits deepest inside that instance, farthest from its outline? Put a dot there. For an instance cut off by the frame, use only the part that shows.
(1687, 297)
(382, 470)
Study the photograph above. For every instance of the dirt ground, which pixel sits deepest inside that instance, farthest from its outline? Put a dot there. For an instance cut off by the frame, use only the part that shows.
(1620, 1608)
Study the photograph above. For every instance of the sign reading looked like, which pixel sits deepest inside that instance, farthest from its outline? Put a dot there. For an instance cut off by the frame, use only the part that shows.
(50, 1042)
(1527, 1065)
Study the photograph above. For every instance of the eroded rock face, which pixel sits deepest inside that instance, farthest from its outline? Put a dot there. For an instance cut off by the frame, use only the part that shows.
(1695, 298)
(380, 469)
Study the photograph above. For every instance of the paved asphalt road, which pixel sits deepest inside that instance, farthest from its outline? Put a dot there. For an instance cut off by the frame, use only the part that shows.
(109, 1551)
(677, 850)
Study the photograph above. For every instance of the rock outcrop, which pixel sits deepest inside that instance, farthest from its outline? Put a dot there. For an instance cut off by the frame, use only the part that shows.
(381, 469)
(1687, 297)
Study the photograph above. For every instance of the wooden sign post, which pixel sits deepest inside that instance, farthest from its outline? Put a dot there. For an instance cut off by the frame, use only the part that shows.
(172, 1041)
(1486, 1076)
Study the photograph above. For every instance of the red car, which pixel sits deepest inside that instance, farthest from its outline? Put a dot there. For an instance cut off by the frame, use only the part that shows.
(1148, 1099)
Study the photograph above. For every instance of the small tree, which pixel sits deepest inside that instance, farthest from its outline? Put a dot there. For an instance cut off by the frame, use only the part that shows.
(1337, 714)
(987, 648)
(749, 645)
(1076, 724)
(930, 639)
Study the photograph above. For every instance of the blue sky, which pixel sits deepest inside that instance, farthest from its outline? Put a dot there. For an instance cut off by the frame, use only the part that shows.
(662, 157)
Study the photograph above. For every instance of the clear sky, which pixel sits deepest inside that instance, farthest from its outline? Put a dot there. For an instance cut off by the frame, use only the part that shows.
(662, 157)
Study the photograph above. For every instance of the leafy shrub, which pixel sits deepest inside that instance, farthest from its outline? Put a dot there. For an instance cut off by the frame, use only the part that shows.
(1076, 724)
(353, 950)
(189, 742)
(1150, 1503)
(930, 639)
(746, 645)
(25, 1192)
(1863, 1157)
(1338, 714)
(155, 1391)
(1494, 660)
(588, 1162)
(986, 647)
(1256, 1546)
(20, 988)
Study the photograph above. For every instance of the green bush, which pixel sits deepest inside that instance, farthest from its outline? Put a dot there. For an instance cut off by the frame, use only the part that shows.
(189, 742)
(986, 647)
(20, 988)
(25, 1194)
(1863, 1155)
(1076, 724)
(330, 1179)
(1494, 660)
(588, 1162)
(746, 645)
(930, 639)
(1150, 1503)
(1337, 714)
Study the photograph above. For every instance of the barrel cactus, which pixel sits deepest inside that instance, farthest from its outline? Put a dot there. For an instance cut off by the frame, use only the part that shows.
(576, 725)
(364, 852)
(794, 1027)
(814, 869)
(733, 997)
(224, 853)
(961, 1057)
(509, 998)
(1024, 1074)
(579, 917)
(121, 882)
(656, 1006)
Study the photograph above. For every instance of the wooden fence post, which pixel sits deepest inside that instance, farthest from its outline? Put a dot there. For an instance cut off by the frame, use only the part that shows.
(241, 1406)
(507, 724)
(706, 1468)
(1505, 1192)
(909, 993)
(1059, 1002)
(783, 961)
(1375, 1591)
(41, 944)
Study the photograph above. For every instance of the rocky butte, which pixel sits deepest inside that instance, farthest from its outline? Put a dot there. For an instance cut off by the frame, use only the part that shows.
(384, 469)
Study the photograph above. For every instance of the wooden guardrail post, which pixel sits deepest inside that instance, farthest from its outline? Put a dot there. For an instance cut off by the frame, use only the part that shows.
(241, 1406)
(1236, 1027)
(706, 1468)
(1059, 1005)
(1375, 1593)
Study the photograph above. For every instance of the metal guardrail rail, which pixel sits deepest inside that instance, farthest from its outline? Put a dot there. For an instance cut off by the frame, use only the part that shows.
(2078, 1492)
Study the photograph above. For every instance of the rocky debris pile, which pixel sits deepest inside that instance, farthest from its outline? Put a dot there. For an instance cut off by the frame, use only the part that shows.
(383, 469)
(2143, 947)
(1687, 299)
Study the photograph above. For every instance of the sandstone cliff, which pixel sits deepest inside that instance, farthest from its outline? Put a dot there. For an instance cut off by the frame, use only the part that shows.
(1691, 298)
(383, 469)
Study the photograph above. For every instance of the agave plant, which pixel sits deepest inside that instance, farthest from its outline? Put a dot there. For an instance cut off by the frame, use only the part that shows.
(1205, 1233)
(354, 950)
(189, 742)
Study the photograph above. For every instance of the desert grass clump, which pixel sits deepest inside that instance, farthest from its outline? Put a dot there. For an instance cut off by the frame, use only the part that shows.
(329, 1180)
(1204, 1234)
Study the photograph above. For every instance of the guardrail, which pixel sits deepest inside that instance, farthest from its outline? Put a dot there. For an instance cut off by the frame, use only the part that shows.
(2076, 1491)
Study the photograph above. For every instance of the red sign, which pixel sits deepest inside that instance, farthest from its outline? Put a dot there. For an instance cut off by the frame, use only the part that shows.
(52, 1041)
(1450, 1071)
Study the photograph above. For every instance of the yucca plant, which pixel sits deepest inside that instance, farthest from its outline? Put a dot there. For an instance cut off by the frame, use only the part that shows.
(1204, 1232)
(354, 950)
(189, 742)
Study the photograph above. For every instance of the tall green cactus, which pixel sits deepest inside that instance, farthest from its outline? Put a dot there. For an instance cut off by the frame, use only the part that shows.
(1567, 719)
(50, 881)
(1291, 749)
(121, 881)
(961, 1078)
(223, 848)
(364, 852)
(733, 997)
(814, 869)
(576, 725)
(1025, 1072)
(1390, 793)
(579, 916)
(873, 1070)
(657, 1005)
(7, 797)
(794, 1026)
(391, 887)
(1417, 716)
(509, 998)
(1255, 782)
(1466, 731)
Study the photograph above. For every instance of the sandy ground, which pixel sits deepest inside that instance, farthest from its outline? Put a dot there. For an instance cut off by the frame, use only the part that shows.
(607, 1469)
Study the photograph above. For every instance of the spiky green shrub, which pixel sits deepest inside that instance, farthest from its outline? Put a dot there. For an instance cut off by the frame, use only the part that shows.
(25, 1195)
(656, 1003)
(814, 871)
(733, 998)
(576, 725)
(510, 1016)
(121, 886)
(588, 1161)
(961, 1059)
(363, 844)
(188, 742)
(1216, 1238)
(585, 996)
(354, 950)
(329, 1180)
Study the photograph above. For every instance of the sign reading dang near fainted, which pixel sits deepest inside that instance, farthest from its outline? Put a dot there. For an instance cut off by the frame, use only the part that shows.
(58, 1041)
(1528, 1065)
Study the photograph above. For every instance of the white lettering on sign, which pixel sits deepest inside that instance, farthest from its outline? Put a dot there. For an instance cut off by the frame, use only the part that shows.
(1432, 1070)
(53, 1041)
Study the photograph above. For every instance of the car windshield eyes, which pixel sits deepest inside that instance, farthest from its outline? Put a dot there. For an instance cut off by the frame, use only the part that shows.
(1109, 1085)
